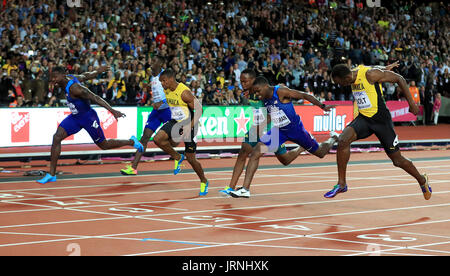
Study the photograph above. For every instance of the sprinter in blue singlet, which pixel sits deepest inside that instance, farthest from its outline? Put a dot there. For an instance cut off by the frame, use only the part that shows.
(286, 126)
(82, 116)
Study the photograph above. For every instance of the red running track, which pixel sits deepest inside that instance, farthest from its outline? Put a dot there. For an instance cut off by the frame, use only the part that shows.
(105, 213)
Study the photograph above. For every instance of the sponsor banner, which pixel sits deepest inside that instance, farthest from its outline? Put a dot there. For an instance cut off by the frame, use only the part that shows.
(217, 122)
(400, 111)
(108, 123)
(316, 121)
(225, 122)
(36, 126)
(20, 127)
(142, 116)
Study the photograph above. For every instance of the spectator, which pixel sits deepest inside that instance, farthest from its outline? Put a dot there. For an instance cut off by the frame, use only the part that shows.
(302, 37)
(436, 107)
(414, 92)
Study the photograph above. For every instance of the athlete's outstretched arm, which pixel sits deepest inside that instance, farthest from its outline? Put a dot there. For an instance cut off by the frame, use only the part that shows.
(387, 67)
(287, 93)
(82, 92)
(92, 75)
(377, 75)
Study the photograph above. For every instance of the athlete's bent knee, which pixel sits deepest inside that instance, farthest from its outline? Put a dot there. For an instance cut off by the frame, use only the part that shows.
(401, 162)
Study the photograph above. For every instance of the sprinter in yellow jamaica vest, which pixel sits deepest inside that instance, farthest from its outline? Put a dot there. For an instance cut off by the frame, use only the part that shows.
(186, 112)
(373, 118)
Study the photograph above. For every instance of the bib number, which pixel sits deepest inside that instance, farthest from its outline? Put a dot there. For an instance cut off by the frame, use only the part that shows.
(72, 108)
(362, 100)
(178, 113)
(258, 116)
(279, 118)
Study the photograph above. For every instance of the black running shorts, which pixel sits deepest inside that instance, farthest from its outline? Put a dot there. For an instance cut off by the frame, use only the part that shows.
(381, 125)
(174, 130)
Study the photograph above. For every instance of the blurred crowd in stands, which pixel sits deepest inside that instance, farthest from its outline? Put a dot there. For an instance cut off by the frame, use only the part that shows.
(209, 44)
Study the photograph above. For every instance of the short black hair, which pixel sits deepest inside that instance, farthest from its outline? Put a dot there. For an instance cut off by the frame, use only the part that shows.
(168, 73)
(59, 69)
(340, 71)
(250, 72)
(260, 80)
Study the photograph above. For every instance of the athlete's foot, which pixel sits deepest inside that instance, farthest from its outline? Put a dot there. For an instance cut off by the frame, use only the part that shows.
(178, 165)
(203, 188)
(241, 192)
(426, 188)
(47, 178)
(128, 171)
(137, 145)
(226, 192)
(337, 189)
(334, 135)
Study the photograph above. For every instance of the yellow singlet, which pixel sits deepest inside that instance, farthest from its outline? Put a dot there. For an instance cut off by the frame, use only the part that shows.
(368, 97)
(180, 110)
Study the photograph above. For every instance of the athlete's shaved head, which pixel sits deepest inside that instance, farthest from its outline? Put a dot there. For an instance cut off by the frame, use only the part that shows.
(167, 78)
(168, 73)
(342, 75)
(58, 75)
(259, 87)
(260, 81)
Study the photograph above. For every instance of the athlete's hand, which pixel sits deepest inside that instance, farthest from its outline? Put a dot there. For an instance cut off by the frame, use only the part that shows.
(414, 109)
(117, 114)
(103, 69)
(157, 105)
(392, 66)
(328, 107)
(245, 93)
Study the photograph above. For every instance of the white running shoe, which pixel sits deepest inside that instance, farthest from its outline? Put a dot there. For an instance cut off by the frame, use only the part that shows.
(335, 135)
(241, 192)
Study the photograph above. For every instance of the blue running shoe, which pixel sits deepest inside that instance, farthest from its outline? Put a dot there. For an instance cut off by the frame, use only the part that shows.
(137, 145)
(47, 178)
(178, 165)
(203, 189)
(336, 190)
(426, 188)
(226, 192)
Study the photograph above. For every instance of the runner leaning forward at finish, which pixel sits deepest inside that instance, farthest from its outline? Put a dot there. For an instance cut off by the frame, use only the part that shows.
(287, 126)
(373, 118)
(83, 116)
(260, 124)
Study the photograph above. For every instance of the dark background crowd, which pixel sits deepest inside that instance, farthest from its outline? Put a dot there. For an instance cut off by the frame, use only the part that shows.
(209, 44)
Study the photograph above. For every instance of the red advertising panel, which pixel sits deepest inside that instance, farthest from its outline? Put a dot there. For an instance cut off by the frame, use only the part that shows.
(316, 121)
(400, 111)
(108, 124)
(20, 127)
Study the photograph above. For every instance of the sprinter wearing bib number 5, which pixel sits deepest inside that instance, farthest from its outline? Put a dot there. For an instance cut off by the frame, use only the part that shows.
(373, 118)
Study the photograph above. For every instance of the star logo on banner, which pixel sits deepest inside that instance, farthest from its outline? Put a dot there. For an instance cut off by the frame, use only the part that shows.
(242, 122)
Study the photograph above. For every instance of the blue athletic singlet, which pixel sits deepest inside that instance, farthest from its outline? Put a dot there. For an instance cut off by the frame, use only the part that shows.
(287, 125)
(76, 106)
(82, 117)
(283, 115)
